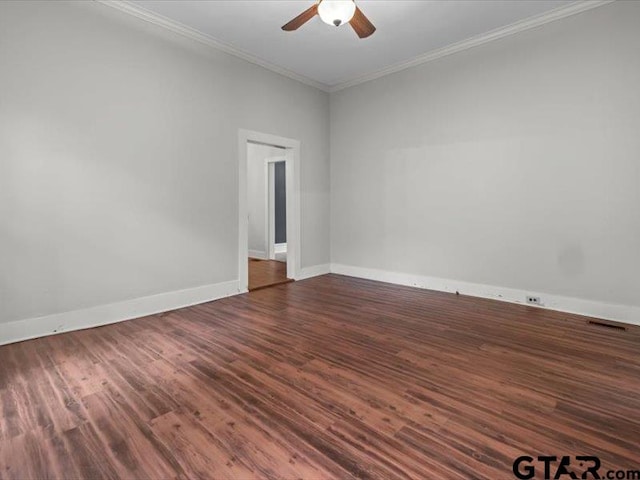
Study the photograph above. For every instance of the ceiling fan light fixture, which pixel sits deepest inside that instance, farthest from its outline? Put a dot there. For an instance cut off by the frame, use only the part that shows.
(336, 12)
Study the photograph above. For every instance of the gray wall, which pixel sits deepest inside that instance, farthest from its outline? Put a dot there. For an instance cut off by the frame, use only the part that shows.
(515, 164)
(280, 201)
(118, 157)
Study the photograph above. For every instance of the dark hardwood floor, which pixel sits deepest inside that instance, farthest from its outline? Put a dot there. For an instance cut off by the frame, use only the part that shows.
(266, 273)
(330, 377)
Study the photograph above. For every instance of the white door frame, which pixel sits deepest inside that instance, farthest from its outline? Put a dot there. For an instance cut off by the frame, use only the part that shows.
(269, 213)
(291, 156)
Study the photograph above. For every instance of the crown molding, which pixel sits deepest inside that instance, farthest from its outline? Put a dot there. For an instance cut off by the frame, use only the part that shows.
(520, 26)
(193, 34)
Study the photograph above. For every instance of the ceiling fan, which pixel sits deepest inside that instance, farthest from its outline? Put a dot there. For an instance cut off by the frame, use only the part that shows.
(336, 13)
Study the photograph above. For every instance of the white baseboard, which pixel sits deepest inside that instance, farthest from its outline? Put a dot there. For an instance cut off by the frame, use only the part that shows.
(258, 254)
(113, 313)
(609, 311)
(314, 271)
(280, 248)
(116, 312)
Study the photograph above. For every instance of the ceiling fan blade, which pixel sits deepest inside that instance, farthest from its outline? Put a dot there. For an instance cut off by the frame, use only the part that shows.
(361, 24)
(301, 19)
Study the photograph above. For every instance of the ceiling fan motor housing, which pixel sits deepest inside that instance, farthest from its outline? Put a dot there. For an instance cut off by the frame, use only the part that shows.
(335, 13)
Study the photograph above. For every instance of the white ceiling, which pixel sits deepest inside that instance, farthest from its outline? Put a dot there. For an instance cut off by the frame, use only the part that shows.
(333, 56)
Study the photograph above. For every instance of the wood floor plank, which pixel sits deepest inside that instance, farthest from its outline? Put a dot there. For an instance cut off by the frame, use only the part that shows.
(131, 452)
(264, 273)
(331, 377)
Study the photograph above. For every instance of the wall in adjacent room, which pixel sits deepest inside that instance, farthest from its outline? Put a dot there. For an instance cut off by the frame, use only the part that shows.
(119, 162)
(257, 197)
(280, 202)
(512, 165)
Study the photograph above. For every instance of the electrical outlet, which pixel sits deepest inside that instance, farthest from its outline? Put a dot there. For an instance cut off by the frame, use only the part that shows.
(534, 300)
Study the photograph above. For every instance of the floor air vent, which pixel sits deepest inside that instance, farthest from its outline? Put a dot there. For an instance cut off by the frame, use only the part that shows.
(607, 325)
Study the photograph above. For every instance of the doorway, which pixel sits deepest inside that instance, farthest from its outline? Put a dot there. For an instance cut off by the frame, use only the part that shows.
(268, 210)
(276, 202)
